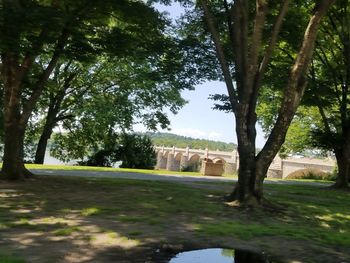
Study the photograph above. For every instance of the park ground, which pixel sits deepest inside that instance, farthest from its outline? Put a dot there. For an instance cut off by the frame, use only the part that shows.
(92, 219)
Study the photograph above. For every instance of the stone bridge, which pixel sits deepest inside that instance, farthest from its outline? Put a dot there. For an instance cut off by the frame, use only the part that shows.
(176, 159)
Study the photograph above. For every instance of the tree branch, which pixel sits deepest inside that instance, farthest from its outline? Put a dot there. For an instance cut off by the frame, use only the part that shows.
(296, 85)
(40, 84)
(275, 32)
(220, 54)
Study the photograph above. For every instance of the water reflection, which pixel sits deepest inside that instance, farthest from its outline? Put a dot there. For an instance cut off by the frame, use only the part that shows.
(219, 255)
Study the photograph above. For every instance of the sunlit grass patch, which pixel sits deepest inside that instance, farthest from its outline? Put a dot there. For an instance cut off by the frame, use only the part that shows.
(23, 223)
(112, 238)
(108, 169)
(66, 231)
(90, 211)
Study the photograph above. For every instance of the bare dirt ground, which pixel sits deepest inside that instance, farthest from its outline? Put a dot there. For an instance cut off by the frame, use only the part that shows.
(74, 220)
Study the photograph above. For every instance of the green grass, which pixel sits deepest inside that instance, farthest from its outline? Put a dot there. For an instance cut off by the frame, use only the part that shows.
(66, 231)
(156, 209)
(6, 258)
(103, 169)
(145, 171)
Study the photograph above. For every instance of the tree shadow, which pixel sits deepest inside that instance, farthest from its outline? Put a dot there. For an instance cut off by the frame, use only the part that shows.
(53, 219)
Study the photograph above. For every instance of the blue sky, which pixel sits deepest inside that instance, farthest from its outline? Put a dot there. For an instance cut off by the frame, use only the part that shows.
(197, 118)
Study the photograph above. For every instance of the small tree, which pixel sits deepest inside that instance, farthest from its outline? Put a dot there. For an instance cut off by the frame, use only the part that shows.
(134, 151)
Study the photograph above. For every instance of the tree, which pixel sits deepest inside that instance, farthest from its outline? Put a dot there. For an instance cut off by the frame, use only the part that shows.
(332, 80)
(324, 115)
(57, 100)
(115, 93)
(136, 151)
(119, 94)
(34, 31)
(245, 36)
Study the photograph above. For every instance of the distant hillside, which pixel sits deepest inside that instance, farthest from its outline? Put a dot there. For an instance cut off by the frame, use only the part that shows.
(169, 140)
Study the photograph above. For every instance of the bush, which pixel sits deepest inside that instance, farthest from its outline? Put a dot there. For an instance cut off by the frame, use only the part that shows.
(134, 151)
(191, 168)
(101, 158)
(312, 174)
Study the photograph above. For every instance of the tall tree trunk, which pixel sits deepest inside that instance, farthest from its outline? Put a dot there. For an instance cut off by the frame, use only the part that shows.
(14, 127)
(342, 181)
(245, 192)
(42, 144)
(13, 167)
(50, 123)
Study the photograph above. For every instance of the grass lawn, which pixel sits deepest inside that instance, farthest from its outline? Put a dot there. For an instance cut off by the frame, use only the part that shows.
(104, 169)
(62, 219)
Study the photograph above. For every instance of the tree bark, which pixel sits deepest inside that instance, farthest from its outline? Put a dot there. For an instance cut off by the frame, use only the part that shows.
(14, 128)
(343, 162)
(50, 123)
(42, 144)
(13, 167)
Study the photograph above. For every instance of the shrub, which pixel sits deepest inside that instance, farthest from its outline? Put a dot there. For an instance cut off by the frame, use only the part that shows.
(312, 174)
(133, 151)
(100, 158)
(136, 151)
(194, 167)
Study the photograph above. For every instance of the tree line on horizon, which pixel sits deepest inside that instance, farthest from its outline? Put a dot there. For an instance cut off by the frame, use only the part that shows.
(179, 141)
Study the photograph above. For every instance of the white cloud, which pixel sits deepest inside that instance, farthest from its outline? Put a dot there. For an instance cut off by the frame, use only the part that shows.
(214, 135)
(195, 133)
(188, 132)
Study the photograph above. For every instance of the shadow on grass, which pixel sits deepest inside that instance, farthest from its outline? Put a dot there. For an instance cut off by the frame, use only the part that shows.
(50, 219)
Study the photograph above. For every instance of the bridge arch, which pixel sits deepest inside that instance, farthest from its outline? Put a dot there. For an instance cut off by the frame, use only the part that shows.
(194, 158)
(311, 166)
(162, 159)
(193, 163)
(177, 161)
(219, 160)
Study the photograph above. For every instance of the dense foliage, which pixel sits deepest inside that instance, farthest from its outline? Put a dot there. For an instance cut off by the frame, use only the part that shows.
(132, 150)
(91, 68)
(41, 38)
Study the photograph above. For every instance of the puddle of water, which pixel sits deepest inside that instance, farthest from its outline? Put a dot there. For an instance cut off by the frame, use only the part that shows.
(219, 255)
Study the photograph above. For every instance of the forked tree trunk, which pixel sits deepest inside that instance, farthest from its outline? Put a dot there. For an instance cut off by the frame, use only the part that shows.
(250, 66)
(53, 117)
(245, 191)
